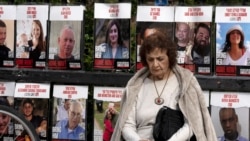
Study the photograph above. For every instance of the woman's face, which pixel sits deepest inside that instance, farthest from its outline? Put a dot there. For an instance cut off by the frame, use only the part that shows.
(235, 37)
(4, 121)
(113, 34)
(158, 63)
(36, 31)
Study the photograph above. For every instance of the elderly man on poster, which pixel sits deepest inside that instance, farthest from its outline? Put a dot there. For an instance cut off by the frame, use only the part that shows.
(70, 128)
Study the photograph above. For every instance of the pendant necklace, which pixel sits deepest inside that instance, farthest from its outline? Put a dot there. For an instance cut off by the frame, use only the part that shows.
(160, 100)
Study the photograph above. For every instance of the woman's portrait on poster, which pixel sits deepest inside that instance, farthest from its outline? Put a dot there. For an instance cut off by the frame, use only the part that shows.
(235, 49)
(114, 44)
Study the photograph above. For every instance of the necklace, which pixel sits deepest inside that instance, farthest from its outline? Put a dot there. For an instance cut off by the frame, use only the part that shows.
(160, 100)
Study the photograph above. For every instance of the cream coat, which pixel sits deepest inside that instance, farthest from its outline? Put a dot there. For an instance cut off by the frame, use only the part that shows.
(192, 104)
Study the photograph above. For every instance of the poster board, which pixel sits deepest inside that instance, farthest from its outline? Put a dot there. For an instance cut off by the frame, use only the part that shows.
(32, 100)
(31, 36)
(224, 105)
(106, 111)
(8, 17)
(65, 44)
(232, 60)
(112, 36)
(7, 99)
(193, 38)
(69, 108)
(149, 19)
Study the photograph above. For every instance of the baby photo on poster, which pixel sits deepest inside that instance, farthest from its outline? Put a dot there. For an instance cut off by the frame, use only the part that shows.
(112, 43)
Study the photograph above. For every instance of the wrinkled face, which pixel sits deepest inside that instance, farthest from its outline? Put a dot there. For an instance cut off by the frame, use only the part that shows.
(36, 31)
(75, 115)
(66, 43)
(27, 109)
(182, 32)
(229, 123)
(4, 121)
(113, 34)
(158, 63)
(202, 37)
(235, 37)
(2, 35)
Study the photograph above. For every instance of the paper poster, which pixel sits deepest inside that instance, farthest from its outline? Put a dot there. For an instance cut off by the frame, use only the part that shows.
(69, 108)
(106, 110)
(150, 19)
(193, 38)
(230, 115)
(31, 36)
(7, 99)
(7, 22)
(66, 30)
(232, 41)
(112, 36)
(32, 100)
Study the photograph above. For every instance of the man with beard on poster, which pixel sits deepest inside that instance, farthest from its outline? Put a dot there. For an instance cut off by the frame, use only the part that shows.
(4, 50)
(200, 53)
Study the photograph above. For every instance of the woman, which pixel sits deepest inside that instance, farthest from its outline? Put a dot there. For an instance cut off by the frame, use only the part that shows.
(162, 83)
(236, 52)
(108, 128)
(114, 48)
(37, 43)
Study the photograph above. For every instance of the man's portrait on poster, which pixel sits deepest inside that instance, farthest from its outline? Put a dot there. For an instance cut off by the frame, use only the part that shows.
(65, 40)
(112, 39)
(31, 39)
(232, 44)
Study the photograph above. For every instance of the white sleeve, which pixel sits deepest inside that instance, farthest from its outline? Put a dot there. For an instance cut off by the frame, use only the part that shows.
(183, 134)
(129, 129)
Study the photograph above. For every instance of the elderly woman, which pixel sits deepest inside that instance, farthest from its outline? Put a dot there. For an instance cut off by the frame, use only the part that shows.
(162, 83)
(236, 52)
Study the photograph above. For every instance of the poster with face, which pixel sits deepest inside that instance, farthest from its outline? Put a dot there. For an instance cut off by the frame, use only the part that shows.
(112, 36)
(106, 111)
(7, 39)
(193, 38)
(151, 19)
(230, 115)
(31, 36)
(32, 101)
(65, 42)
(6, 99)
(232, 41)
(69, 112)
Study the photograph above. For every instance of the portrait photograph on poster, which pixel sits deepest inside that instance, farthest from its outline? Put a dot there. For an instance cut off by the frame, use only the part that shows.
(71, 113)
(231, 123)
(65, 44)
(144, 29)
(112, 43)
(7, 43)
(106, 111)
(232, 40)
(31, 36)
(35, 111)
